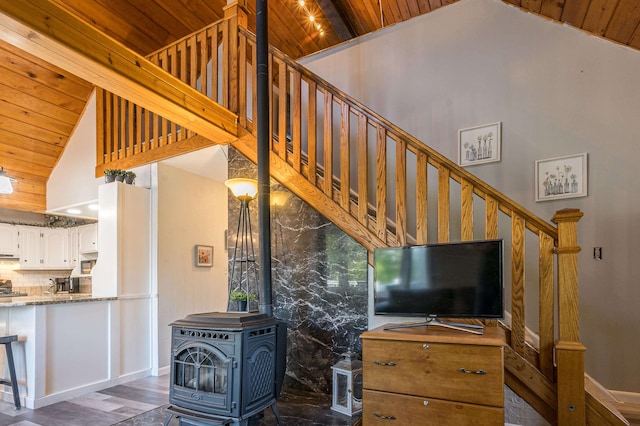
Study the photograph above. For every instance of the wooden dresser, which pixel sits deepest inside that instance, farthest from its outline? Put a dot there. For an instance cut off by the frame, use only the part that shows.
(431, 376)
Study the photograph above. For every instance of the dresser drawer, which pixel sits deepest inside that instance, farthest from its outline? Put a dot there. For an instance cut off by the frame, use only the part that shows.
(380, 408)
(458, 372)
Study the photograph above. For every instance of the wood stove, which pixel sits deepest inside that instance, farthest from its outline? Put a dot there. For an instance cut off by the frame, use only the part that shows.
(223, 368)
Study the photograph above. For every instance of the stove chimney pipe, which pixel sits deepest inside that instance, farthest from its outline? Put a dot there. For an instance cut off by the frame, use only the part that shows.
(263, 148)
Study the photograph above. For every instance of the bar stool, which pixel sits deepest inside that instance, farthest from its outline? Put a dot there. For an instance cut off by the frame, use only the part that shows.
(6, 341)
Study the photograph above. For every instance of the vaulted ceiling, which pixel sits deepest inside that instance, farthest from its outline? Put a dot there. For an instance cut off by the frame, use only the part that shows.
(40, 104)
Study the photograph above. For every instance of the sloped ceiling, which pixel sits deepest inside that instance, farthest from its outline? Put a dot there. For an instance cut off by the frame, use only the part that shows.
(40, 104)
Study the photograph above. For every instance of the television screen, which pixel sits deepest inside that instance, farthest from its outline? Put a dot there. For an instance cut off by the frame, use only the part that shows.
(455, 280)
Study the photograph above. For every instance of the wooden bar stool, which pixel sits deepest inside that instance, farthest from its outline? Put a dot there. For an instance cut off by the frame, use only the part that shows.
(6, 341)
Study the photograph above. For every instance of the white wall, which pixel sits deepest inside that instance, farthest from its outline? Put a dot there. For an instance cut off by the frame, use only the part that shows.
(192, 210)
(73, 180)
(557, 91)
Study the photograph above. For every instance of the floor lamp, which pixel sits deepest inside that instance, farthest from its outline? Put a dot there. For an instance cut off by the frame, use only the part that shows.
(243, 274)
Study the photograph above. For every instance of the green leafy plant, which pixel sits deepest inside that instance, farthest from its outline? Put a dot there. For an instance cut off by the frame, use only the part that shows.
(241, 296)
(110, 172)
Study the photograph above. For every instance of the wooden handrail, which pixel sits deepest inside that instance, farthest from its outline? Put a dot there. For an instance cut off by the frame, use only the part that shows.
(376, 181)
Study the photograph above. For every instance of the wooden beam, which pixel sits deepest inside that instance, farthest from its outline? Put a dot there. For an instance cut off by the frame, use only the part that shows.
(49, 31)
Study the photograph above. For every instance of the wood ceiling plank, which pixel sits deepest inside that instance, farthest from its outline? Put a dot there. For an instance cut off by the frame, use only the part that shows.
(37, 133)
(23, 201)
(20, 141)
(34, 118)
(552, 8)
(635, 39)
(391, 11)
(599, 16)
(111, 24)
(532, 5)
(424, 6)
(41, 92)
(574, 12)
(46, 30)
(435, 4)
(13, 59)
(624, 22)
(19, 153)
(34, 103)
(20, 166)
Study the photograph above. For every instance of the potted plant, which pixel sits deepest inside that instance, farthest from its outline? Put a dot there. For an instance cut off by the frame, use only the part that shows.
(120, 175)
(110, 175)
(241, 297)
(129, 177)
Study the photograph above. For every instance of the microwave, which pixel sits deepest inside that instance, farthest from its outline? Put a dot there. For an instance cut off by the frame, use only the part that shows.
(86, 266)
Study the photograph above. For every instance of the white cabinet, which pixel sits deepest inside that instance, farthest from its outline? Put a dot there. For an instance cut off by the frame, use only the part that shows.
(44, 248)
(88, 238)
(8, 241)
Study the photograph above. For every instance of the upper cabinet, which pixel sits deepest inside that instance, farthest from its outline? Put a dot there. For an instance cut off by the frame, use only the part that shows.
(44, 248)
(88, 238)
(8, 241)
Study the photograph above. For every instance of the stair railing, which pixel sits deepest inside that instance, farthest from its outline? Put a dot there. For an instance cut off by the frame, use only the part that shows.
(373, 180)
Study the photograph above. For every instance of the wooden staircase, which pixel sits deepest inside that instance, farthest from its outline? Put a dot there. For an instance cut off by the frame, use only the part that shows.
(383, 187)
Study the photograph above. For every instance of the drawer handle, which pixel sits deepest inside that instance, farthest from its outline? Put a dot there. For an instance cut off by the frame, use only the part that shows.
(385, 364)
(380, 416)
(464, 370)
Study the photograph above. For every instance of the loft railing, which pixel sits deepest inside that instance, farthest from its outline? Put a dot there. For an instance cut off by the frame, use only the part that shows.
(383, 187)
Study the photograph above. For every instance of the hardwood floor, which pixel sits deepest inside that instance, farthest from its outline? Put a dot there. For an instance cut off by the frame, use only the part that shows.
(106, 407)
(138, 403)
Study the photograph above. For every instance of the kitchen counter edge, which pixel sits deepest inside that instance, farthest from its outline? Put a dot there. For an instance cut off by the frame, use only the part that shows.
(10, 302)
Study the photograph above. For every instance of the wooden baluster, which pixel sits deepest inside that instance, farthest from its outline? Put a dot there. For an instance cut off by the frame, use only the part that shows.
(242, 84)
(363, 170)
(466, 207)
(296, 120)
(381, 183)
(282, 109)
(122, 134)
(443, 204)
(102, 143)
(345, 158)
(312, 146)
(517, 284)
(422, 166)
(141, 145)
(254, 91)
(491, 218)
(172, 55)
(569, 350)
(546, 305)
(328, 144)
(182, 51)
(132, 142)
(232, 12)
(401, 191)
(163, 139)
(225, 63)
(213, 40)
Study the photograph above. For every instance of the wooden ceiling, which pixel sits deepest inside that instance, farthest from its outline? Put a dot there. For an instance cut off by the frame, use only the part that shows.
(41, 104)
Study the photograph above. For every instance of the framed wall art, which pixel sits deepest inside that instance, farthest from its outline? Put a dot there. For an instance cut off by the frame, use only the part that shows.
(204, 255)
(480, 144)
(561, 177)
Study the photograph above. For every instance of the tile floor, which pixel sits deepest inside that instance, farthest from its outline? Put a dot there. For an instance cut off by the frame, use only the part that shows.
(138, 403)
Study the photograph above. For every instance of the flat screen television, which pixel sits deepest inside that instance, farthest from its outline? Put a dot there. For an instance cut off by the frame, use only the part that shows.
(446, 280)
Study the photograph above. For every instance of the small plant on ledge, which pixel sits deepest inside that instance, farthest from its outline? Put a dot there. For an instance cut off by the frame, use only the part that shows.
(241, 296)
(110, 175)
(129, 177)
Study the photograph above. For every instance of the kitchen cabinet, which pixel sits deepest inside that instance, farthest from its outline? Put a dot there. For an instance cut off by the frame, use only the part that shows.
(433, 377)
(88, 238)
(44, 248)
(8, 241)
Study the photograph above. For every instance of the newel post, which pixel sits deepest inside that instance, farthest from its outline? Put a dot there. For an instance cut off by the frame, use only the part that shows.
(569, 352)
(236, 13)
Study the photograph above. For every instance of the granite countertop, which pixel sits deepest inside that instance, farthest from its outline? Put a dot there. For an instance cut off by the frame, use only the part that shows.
(50, 299)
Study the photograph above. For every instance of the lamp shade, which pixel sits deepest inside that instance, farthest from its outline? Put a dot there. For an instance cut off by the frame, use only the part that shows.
(243, 189)
(5, 182)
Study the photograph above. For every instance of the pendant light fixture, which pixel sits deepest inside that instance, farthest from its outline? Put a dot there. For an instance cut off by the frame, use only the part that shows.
(5, 182)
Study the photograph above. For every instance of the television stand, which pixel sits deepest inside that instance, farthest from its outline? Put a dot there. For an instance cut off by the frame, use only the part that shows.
(435, 322)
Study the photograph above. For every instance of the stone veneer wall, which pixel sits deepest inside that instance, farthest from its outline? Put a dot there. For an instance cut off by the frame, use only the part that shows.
(319, 280)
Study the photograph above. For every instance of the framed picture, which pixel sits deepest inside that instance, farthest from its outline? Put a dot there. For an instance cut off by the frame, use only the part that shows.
(204, 255)
(480, 144)
(561, 177)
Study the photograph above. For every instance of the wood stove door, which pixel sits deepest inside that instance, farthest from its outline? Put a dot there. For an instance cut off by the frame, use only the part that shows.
(202, 379)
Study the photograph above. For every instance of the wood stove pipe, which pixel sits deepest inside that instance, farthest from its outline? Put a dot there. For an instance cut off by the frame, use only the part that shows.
(264, 190)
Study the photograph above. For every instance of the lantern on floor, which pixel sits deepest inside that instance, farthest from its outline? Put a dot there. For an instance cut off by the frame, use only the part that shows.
(347, 384)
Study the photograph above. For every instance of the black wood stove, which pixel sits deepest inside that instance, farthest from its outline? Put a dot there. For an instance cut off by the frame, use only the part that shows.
(225, 368)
